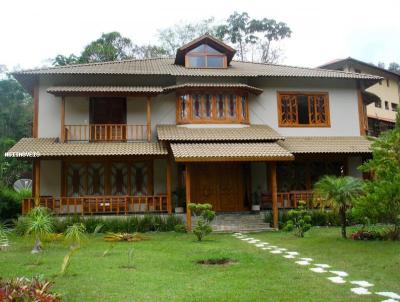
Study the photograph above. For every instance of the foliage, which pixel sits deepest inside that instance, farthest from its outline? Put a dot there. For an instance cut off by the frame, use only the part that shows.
(204, 216)
(381, 203)
(23, 289)
(39, 224)
(75, 234)
(366, 235)
(67, 260)
(180, 228)
(254, 38)
(108, 250)
(299, 221)
(115, 237)
(10, 202)
(4, 230)
(394, 67)
(338, 193)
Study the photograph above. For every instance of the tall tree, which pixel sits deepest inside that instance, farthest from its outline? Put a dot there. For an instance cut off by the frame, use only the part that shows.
(395, 67)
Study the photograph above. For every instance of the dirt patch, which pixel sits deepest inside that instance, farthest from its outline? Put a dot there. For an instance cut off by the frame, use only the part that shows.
(216, 261)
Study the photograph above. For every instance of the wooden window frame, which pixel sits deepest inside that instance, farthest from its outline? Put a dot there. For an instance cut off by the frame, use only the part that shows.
(213, 119)
(206, 54)
(309, 94)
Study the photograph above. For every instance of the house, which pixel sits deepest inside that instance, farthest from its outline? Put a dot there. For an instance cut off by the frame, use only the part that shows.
(121, 137)
(382, 112)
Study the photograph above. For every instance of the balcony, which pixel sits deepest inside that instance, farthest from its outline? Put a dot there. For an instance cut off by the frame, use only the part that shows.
(106, 133)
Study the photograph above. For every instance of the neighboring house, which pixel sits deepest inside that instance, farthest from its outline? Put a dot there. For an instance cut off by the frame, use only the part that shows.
(382, 112)
(121, 137)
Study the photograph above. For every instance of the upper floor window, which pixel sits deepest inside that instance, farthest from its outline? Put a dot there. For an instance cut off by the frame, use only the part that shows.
(204, 56)
(378, 103)
(394, 107)
(298, 109)
(212, 107)
(386, 105)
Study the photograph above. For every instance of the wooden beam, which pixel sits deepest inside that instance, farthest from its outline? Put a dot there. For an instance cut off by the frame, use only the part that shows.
(35, 111)
(274, 191)
(148, 119)
(361, 113)
(36, 181)
(169, 186)
(62, 134)
(188, 213)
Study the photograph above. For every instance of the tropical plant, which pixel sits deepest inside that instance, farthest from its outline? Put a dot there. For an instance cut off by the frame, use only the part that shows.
(299, 220)
(4, 242)
(23, 289)
(108, 250)
(124, 237)
(338, 193)
(67, 260)
(39, 224)
(204, 216)
(75, 234)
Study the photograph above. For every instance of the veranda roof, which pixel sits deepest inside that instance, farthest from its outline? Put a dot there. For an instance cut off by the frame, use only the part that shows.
(245, 87)
(194, 152)
(215, 133)
(326, 144)
(125, 90)
(50, 147)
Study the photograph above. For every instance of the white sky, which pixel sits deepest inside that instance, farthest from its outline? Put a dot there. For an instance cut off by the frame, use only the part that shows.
(33, 31)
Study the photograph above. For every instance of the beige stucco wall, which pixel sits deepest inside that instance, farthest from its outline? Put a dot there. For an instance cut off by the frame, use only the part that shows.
(343, 106)
(76, 111)
(50, 178)
(49, 124)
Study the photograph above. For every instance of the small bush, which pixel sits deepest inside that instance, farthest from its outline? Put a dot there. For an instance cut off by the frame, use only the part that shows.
(180, 228)
(205, 216)
(299, 221)
(10, 202)
(366, 235)
(23, 289)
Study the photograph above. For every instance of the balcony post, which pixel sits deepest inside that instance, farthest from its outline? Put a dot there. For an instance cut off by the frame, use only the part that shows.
(62, 134)
(169, 186)
(35, 119)
(274, 191)
(148, 119)
(188, 213)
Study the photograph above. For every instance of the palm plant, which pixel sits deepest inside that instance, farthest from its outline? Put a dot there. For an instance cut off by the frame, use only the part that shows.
(40, 224)
(4, 243)
(338, 193)
(75, 234)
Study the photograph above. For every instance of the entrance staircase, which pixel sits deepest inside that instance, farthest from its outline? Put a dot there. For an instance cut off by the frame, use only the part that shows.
(238, 222)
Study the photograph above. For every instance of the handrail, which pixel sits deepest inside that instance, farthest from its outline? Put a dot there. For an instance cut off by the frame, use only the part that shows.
(93, 205)
(288, 200)
(106, 132)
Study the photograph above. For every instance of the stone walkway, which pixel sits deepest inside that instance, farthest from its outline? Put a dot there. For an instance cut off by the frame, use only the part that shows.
(361, 287)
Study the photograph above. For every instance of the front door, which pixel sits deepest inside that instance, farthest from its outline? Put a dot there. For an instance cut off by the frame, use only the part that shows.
(219, 184)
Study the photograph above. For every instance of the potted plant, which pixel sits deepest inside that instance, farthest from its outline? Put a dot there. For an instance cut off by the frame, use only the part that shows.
(178, 200)
(256, 200)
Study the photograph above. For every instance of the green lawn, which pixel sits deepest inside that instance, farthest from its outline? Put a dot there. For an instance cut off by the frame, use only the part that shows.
(165, 268)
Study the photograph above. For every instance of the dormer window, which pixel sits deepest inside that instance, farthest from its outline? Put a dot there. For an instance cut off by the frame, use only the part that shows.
(204, 56)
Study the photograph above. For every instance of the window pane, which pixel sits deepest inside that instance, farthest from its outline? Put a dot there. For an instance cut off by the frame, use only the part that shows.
(139, 177)
(215, 62)
(220, 106)
(209, 49)
(243, 107)
(302, 107)
(196, 106)
(199, 48)
(207, 106)
(197, 61)
(183, 106)
(232, 106)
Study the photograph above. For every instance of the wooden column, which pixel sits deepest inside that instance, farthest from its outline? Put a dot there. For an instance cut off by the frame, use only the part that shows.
(188, 213)
(361, 114)
(35, 118)
(274, 191)
(36, 181)
(148, 119)
(62, 134)
(169, 186)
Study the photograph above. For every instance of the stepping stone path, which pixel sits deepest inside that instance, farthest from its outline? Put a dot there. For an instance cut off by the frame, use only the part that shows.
(320, 268)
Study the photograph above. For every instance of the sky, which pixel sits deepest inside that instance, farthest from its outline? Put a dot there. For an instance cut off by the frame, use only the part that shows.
(33, 32)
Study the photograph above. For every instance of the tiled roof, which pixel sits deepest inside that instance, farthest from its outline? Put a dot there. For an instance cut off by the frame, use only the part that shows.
(215, 133)
(50, 147)
(326, 144)
(229, 152)
(252, 89)
(113, 89)
(166, 66)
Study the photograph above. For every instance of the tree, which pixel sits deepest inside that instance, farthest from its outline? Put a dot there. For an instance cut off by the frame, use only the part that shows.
(149, 51)
(172, 38)
(39, 224)
(381, 203)
(61, 60)
(204, 216)
(394, 67)
(338, 193)
(254, 37)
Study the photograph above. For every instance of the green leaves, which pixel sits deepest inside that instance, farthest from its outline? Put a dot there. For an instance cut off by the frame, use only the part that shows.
(205, 215)
(75, 234)
(299, 221)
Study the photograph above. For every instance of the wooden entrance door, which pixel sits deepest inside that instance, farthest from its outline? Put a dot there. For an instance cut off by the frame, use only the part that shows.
(221, 185)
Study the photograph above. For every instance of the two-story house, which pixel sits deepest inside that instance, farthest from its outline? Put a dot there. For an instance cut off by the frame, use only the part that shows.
(382, 112)
(120, 137)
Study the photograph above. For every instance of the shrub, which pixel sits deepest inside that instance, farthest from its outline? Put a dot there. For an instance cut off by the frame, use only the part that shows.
(40, 223)
(23, 289)
(10, 202)
(75, 234)
(366, 235)
(299, 221)
(180, 228)
(205, 215)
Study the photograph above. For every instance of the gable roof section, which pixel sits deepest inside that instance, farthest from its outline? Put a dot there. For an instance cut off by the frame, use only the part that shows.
(204, 39)
(340, 63)
(246, 133)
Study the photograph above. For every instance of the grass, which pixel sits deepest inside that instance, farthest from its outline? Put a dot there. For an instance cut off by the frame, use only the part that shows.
(165, 268)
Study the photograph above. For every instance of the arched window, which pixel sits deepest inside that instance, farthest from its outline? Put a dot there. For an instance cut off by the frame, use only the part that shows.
(204, 56)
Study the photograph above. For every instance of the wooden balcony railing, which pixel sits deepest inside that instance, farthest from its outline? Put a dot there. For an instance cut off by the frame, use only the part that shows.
(96, 205)
(107, 132)
(288, 200)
